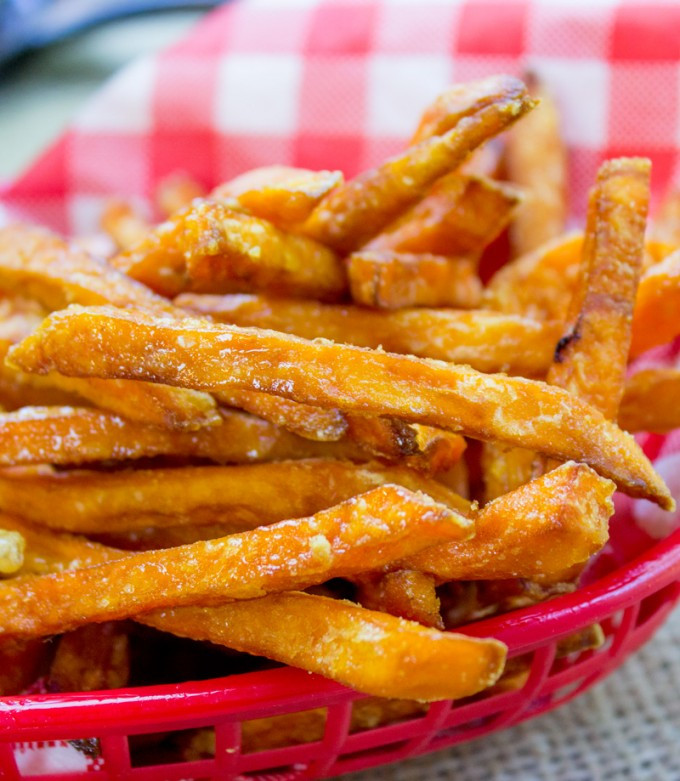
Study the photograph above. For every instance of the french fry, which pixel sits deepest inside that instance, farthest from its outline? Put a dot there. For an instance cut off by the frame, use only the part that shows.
(42, 265)
(458, 217)
(358, 210)
(666, 226)
(393, 280)
(655, 318)
(18, 317)
(486, 340)
(176, 191)
(12, 546)
(542, 527)
(91, 658)
(651, 401)
(204, 355)
(237, 497)
(505, 468)
(405, 593)
(123, 224)
(339, 542)
(536, 160)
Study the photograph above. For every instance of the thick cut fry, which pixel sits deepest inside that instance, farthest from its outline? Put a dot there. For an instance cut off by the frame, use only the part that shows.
(199, 354)
(591, 358)
(123, 224)
(237, 497)
(460, 216)
(42, 265)
(367, 531)
(393, 280)
(12, 546)
(666, 227)
(176, 191)
(536, 159)
(305, 420)
(360, 209)
(656, 318)
(486, 340)
(651, 401)
(231, 252)
(405, 593)
(541, 528)
(372, 652)
(91, 658)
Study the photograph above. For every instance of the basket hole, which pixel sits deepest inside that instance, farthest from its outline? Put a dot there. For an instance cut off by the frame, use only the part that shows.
(282, 731)
(564, 692)
(168, 748)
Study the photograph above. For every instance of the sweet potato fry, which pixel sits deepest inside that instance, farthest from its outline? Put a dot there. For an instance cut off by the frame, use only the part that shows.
(18, 317)
(393, 280)
(176, 191)
(591, 358)
(655, 318)
(486, 340)
(12, 546)
(460, 216)
(91, 658)
(204, 355)
(358, 210)
(666, 225)
(405, 593)
(372, 652)
(651, 401)
(543, 527)
(339, 542)
(236, 497)
(121, 221)
(505, 468)
(536, 159)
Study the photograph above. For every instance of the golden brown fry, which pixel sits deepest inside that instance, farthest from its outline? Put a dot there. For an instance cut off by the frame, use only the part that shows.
(121, 221)
(405, 593)
(488, 341)
(591, 358)
(651, 401)
(339, 542)
(536, 159)
(666, 225)
(393, 280)
(91, 658)
(12, 546)
(200, 354)
(176, 191)
(360, 209)
(460, 216)
(543, 527)
(505, 468)
(655, 318)
(236, 497)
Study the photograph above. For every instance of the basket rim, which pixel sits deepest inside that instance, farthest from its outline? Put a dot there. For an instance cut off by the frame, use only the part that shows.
(252, 695)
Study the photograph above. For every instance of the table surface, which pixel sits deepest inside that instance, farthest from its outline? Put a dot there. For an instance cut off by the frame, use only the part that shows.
(626, 728)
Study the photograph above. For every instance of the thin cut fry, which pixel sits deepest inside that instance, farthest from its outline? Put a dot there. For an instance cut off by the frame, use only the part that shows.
(460, 216)
(358, 210)
(204, 355)
(485, 340)
(393, 280)
(543, 527)
(123, 224)
(655, 319)
(651, 401)
(176, 191)
(237, 497)
(405, 593)
(536, 160)
(339, 542)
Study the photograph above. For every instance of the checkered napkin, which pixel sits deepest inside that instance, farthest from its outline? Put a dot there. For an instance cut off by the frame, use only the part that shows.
(333, 84)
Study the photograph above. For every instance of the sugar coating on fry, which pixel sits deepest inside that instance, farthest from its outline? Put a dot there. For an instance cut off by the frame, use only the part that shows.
(369, 530)
(12, 546)
(393, 280)
(485, 340)
(651, 401)
(203, 355)
(655, 318)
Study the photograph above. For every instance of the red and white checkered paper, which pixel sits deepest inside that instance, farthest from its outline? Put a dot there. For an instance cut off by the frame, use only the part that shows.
(340, 84)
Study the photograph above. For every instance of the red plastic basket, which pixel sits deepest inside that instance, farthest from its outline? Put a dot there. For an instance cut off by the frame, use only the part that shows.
(630, 602)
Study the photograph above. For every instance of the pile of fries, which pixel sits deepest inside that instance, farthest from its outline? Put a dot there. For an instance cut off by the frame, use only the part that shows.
(252, 425)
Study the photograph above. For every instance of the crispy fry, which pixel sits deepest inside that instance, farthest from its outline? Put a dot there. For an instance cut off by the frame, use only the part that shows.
(237, 497)
(655, 318)
(176, 191)
(393, 280)
(486, 340)
(543, 527)
(536, 159)
(405, 593)
(666, 226)
(651, 401)
(339, 542)
(358, 210)
(205, 355)
(460, 216)
(505, 468)
(123, 224)
(12, 546)
(91, 658)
